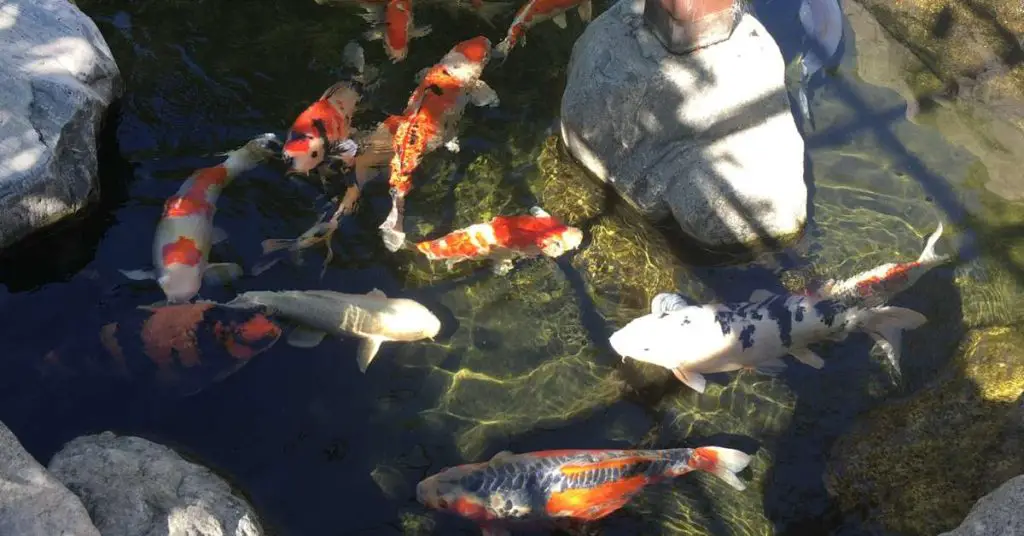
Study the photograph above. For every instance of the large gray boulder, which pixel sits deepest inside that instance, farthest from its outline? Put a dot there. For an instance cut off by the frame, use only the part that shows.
(57, 77)
(707, 137)
(134, 487)
(33, 502)
(1000, 513)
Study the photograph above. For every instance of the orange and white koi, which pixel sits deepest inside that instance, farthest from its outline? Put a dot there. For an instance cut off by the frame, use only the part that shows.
(322, 130)
(431, 120)
(185, 231)
(537, 11)
(548, 487)
(503, 238)
(876, 286)
(394, 25)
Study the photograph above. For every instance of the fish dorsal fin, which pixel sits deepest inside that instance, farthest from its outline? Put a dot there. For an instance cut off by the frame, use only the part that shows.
(377, 293)
(586, 10)
(303, 337)
(138, 275)
(560, 21)
(666, 302)
(760, 295)
(337, 92)
(368, 349)
(503, 455)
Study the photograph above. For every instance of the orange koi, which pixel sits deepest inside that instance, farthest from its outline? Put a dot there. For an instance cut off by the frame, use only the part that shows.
(537, 11)
(565, 485)
(431, 119)
(874, 287)
(503, 238)
(394, 26)
(185, 231)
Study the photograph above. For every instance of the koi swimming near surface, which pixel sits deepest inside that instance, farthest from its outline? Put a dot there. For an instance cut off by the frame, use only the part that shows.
(548, 487)
(504, 238)
(431, 119)
(537, 11)
(393, 24)
(186, 232)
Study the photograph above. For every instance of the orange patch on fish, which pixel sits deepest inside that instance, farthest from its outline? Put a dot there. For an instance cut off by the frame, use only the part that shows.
(187, 205)
(581, 502)
(475, 49)
(182, 251)
(170, 331)
(396, 17)
(211, 176)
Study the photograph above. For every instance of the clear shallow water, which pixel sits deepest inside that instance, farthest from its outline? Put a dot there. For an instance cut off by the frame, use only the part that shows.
(522, 364)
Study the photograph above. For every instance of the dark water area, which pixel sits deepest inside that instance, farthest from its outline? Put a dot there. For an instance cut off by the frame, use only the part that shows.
(523, 362)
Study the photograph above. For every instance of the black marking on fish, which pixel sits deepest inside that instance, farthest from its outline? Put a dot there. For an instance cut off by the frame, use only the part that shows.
(828, 309)
(799, 314)
(747, 336)
(725, 319)
(686, 320)
(756, 314)
(777, 311)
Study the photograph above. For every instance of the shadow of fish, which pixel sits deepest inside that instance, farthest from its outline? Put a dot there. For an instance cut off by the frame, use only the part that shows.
(373, 317)
(822, 21)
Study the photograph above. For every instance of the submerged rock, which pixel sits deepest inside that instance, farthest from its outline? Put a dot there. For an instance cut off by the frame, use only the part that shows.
(59, 77)
(134, 487)
(707, 137)
(1000, 513)
(917, 466)
(32, 501)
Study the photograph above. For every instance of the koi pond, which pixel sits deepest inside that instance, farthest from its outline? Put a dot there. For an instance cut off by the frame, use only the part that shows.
(523, 362)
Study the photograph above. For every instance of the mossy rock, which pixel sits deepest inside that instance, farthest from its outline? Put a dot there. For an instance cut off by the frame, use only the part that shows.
(918, 465)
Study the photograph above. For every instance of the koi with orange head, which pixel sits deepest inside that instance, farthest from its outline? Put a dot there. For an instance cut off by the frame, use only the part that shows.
(186, 232)
(503, 239)
(431, 119)
(393, 21)
(558, 485)
(537, 11)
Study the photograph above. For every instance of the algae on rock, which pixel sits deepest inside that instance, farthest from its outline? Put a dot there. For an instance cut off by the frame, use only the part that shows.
(918, 465)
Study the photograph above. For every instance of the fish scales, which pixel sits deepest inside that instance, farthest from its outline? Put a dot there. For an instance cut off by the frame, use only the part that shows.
(358, 319)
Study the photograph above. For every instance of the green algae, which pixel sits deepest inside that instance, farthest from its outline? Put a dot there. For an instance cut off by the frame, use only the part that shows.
(918, 465)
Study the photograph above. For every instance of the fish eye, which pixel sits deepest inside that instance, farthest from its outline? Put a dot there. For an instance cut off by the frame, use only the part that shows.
(442, 503)
(314, 154)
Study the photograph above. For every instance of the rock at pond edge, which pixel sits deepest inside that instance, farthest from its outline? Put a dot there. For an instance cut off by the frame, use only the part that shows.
(32, 501)
(134, 487)
(707, 137)
(59, 78)
(1000, 513)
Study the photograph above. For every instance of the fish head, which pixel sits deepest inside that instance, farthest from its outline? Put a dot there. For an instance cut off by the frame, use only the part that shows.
(263, 146)
(398, 23)
(180, 282)
(457, 490)
(303, 153)
(669, 340)
(566, 239)
(466, 60)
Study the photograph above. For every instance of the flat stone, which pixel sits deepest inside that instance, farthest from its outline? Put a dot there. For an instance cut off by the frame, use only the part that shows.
(59, 78)
(1000, 513)
(32, 501)
(706, 137)
(134, 487)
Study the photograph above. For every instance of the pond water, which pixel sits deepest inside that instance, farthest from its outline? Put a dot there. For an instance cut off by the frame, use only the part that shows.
(523, 363)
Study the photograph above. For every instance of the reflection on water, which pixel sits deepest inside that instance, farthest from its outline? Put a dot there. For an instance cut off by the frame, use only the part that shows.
(524, 364)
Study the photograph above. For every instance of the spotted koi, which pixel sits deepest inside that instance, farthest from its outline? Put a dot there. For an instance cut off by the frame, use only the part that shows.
(537, 11)
(559, 485)
(431, 118)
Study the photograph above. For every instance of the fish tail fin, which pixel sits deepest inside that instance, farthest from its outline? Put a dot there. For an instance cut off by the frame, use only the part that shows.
(721, 462)
(271, 245)
(928, 255)
(805, 105)
(886, 324)
(489, 10)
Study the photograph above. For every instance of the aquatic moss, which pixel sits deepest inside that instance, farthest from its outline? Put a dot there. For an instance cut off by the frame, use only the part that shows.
(918, 465)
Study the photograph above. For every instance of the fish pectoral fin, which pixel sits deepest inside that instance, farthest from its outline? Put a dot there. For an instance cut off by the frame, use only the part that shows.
(303, 337)
(560, 21)
(368, 349)
(586, 10)
(886, 324)
(421, 31)
(377, 293)
(452, 145)
(771, 367)
(481, 94)
(221, 272)
(373, 34)
(271, 245)
(153, 306)
(374, 14)
(218, 235)
(666, 302)
(760, 295)
(538, 212)
(693, 380)
(808, 357)
(138, 275)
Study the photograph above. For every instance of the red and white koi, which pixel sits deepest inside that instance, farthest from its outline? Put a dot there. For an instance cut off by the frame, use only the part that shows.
(431, 120)
(537, 11)
(878, 285)
(185, 231)
(393, 21)
(504, 238)
(559, 486)
(323, 129)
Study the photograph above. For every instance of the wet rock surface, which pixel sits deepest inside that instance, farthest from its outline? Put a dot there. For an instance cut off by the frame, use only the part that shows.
(59, 77)
(1000, 513)
(32, 501)
(134, 487)
(706, 137)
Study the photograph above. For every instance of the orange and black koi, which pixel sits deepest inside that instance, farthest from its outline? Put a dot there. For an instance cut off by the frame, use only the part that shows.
(558, 485)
